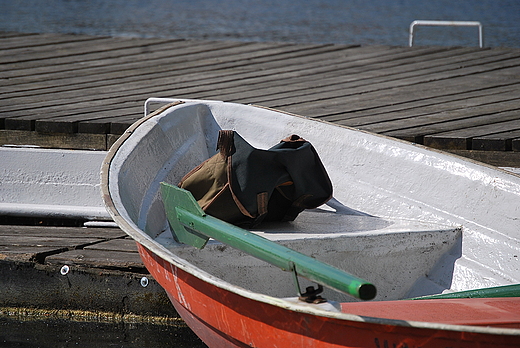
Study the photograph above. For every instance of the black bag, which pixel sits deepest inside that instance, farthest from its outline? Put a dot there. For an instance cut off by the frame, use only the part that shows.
(244, 185)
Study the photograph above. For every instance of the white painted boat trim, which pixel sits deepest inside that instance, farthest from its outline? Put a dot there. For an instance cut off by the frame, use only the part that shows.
(511, 169)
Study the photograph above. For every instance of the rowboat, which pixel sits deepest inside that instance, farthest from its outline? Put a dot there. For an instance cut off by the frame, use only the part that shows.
(404, 222)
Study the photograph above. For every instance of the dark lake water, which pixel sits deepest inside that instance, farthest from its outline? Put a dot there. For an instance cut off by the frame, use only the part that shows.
(365, 22)
(48, 333)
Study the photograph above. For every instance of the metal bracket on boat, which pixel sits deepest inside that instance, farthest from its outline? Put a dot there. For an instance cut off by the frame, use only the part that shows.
(295, 277)
(312, 295)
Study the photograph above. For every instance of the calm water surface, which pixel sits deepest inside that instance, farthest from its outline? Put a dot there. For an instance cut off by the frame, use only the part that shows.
(365, 22)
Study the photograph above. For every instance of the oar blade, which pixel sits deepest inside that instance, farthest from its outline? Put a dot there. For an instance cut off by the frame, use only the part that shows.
(174, 196)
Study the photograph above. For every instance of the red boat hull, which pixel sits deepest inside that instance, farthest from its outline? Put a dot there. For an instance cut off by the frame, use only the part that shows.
(222, 318)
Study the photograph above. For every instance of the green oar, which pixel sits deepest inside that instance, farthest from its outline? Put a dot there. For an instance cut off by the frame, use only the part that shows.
(193, 227)
(497, 291)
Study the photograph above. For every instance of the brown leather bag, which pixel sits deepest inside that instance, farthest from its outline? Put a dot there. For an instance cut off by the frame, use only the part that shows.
(245, 185)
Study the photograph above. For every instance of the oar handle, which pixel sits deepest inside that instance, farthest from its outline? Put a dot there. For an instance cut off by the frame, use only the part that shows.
(199, 225)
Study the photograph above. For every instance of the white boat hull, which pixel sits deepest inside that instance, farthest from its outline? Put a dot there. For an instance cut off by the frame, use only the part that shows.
(411, 220)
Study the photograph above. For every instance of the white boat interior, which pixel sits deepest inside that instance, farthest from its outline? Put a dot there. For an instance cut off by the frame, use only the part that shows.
(411, 220)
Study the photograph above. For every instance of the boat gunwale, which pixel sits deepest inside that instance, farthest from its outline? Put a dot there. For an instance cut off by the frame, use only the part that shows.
(154, 247)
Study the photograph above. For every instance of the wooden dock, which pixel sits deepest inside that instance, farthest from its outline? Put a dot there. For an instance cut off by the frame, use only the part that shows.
(78, 269)
(72, 91)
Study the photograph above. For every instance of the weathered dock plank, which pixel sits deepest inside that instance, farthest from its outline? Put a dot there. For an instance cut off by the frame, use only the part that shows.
(122, 245)
(28, 241)
(87, 247)
(74, 86)
(76, 141)
(121, 260)
(464, 113)
(65, 232)
(403, 91)
(461, 139)
(190, 84)
(34, 42)
(101, 276)
(502, 141)
(36, 243)
(13, 253)
(191, 69)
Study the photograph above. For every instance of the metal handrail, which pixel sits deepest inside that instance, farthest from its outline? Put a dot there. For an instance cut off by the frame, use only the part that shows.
(447, 23)
(156, 100)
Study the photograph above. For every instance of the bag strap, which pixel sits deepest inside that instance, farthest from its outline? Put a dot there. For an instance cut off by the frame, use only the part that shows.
(225, 143)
